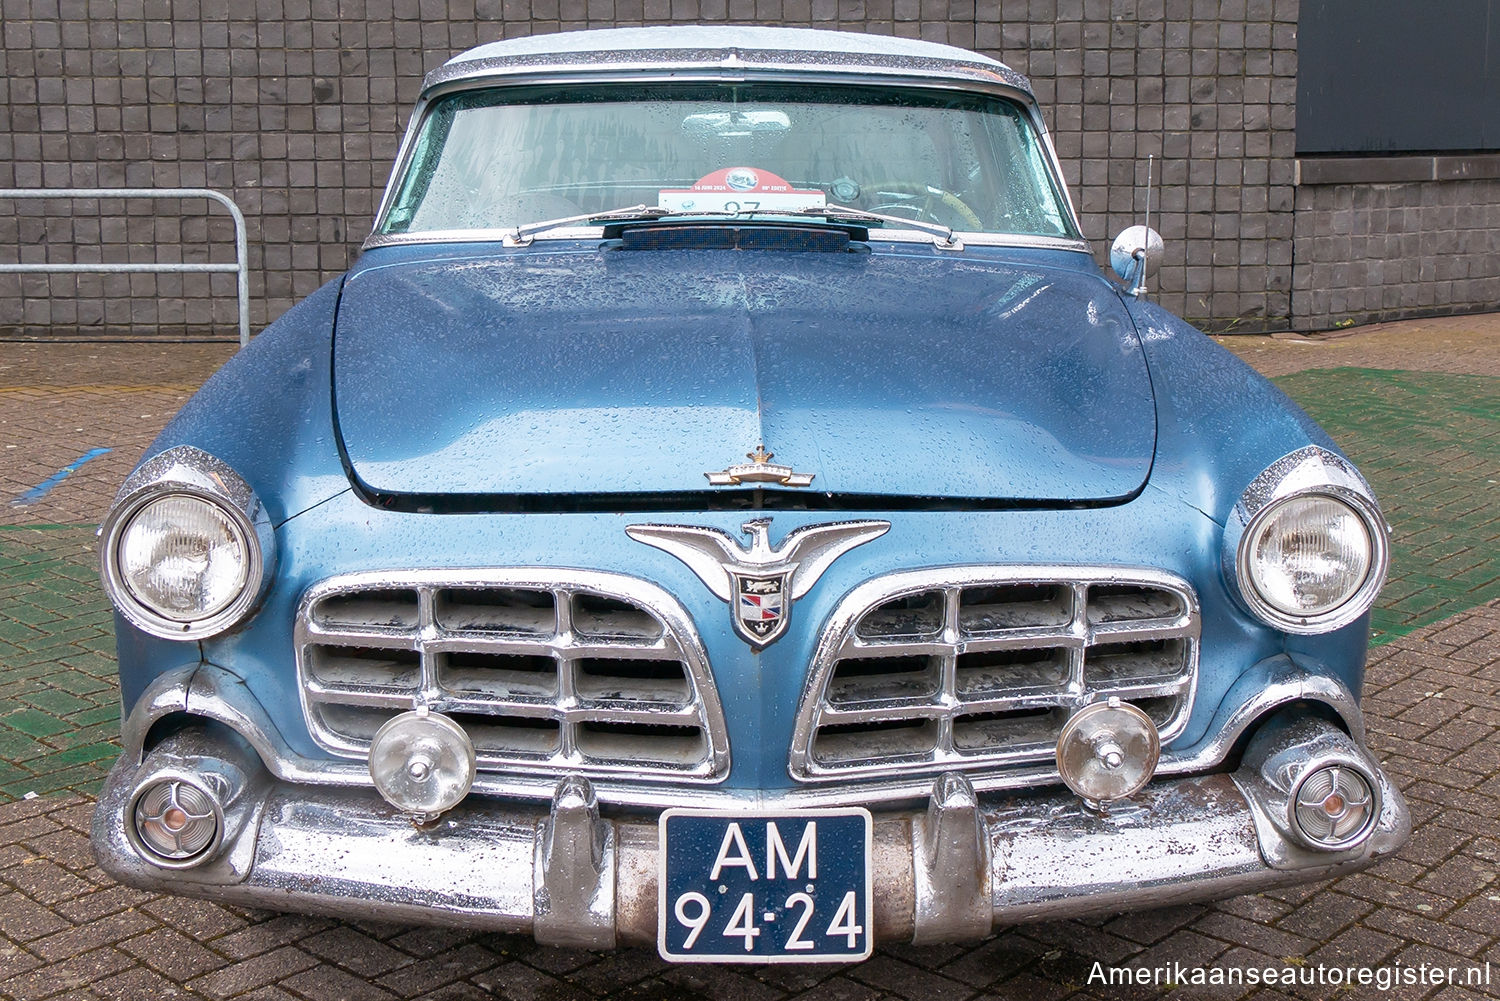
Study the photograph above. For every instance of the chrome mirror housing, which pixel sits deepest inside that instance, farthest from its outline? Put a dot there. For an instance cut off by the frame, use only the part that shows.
(1136, 253)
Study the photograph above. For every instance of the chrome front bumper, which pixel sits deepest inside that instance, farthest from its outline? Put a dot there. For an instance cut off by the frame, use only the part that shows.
(571, 876)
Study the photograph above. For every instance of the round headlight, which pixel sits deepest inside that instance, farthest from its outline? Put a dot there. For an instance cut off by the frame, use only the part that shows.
(183, 557)
(1308, 555)
(422, 763)
(187, 548)
(1306, 547)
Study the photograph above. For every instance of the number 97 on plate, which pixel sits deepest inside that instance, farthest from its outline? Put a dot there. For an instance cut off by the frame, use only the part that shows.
(764, 887)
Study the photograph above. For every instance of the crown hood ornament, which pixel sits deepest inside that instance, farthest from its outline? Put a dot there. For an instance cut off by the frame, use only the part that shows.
(760, 469)
(759, 582)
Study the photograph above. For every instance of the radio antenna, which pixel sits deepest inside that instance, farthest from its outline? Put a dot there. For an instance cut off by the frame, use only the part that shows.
(1149, 161)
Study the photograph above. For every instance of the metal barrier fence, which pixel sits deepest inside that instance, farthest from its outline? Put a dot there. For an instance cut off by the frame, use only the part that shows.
(241, 265)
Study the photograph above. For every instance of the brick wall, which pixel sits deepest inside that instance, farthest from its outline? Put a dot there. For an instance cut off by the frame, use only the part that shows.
(1379, 251)
(295, 107)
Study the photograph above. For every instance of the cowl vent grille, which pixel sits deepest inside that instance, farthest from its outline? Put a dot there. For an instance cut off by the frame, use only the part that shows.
(980, 667)
(547, 671)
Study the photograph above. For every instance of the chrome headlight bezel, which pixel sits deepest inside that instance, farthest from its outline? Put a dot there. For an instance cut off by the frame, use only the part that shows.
(1306, 473)
(191, 472)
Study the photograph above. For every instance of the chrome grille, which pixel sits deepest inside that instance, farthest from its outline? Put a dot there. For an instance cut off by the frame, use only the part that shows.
(560, 670)
(980, 667)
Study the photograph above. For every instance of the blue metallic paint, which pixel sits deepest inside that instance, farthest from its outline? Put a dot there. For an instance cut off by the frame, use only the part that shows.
(904, 372)
(759, 691)
(282, 442)
(267, 414)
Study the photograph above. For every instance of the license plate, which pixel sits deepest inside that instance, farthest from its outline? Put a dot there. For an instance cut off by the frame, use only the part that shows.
(748, 887)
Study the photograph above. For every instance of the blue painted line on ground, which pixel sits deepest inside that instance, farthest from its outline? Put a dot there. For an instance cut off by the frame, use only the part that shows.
(41, 490)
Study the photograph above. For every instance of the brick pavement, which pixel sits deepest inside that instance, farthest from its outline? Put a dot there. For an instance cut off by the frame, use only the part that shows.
(1434, 709)
(59, 402)
(1432, 699)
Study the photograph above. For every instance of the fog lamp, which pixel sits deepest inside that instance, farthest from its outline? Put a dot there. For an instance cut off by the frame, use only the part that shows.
(176, 823)
(1108, 751)
(1334, 807)
(422, 763)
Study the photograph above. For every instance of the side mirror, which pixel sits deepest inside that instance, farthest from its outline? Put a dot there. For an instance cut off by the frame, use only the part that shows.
(1136, 252)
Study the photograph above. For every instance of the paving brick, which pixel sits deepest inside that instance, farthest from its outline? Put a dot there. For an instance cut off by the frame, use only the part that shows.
(25, 919)
(257, 971)
(175, 955)
(423, 942)
(1148, 927)
(1356, 946)
(433, 970)
(76, 971)
(106, 900)
(612, 970)
(1444, 935)
(905, 980)
(329, 983)
(139, 983)
(46, 882)
(268, 935)
(1259, 937)
(360, 953)
(996, 959)
(519, 982)
(82, 938)
(200, 918)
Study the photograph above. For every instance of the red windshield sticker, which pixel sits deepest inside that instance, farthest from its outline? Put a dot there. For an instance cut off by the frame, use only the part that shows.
(741, 190)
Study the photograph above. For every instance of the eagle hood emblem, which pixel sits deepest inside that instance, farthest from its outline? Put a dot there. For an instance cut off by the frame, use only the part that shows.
(759, 582)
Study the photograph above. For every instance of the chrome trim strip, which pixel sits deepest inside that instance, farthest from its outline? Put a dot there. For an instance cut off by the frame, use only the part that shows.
(1309, 471)
(189, 471)
(839, 638)
(497, 236)
(560, 641)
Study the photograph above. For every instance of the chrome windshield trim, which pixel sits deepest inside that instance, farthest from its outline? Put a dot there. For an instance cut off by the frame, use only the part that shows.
(564, 75)
(499, 235)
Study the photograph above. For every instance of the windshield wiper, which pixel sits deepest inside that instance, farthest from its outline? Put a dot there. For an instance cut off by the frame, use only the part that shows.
(943, 237)
(521, 236)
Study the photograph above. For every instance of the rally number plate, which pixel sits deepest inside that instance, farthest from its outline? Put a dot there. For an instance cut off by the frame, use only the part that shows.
(747, 887)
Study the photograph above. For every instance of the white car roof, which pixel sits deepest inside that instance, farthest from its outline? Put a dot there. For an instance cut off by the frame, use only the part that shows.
(721, 47)
(729, 36)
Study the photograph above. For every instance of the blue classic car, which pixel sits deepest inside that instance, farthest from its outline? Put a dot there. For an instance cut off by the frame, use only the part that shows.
(725, 507)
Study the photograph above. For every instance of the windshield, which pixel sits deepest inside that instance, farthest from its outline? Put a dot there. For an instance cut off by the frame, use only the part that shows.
(499, 158)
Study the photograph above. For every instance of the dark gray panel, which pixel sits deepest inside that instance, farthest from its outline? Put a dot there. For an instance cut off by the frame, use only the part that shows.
(1398, 76)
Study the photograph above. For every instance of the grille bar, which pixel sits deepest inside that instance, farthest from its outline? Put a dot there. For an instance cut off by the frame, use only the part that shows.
(980, 667)
(547, 671)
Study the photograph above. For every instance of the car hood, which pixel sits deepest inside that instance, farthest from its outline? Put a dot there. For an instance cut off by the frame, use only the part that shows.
(893, 375)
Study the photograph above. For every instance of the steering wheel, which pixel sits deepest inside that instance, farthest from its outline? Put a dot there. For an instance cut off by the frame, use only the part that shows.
(929, 200)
